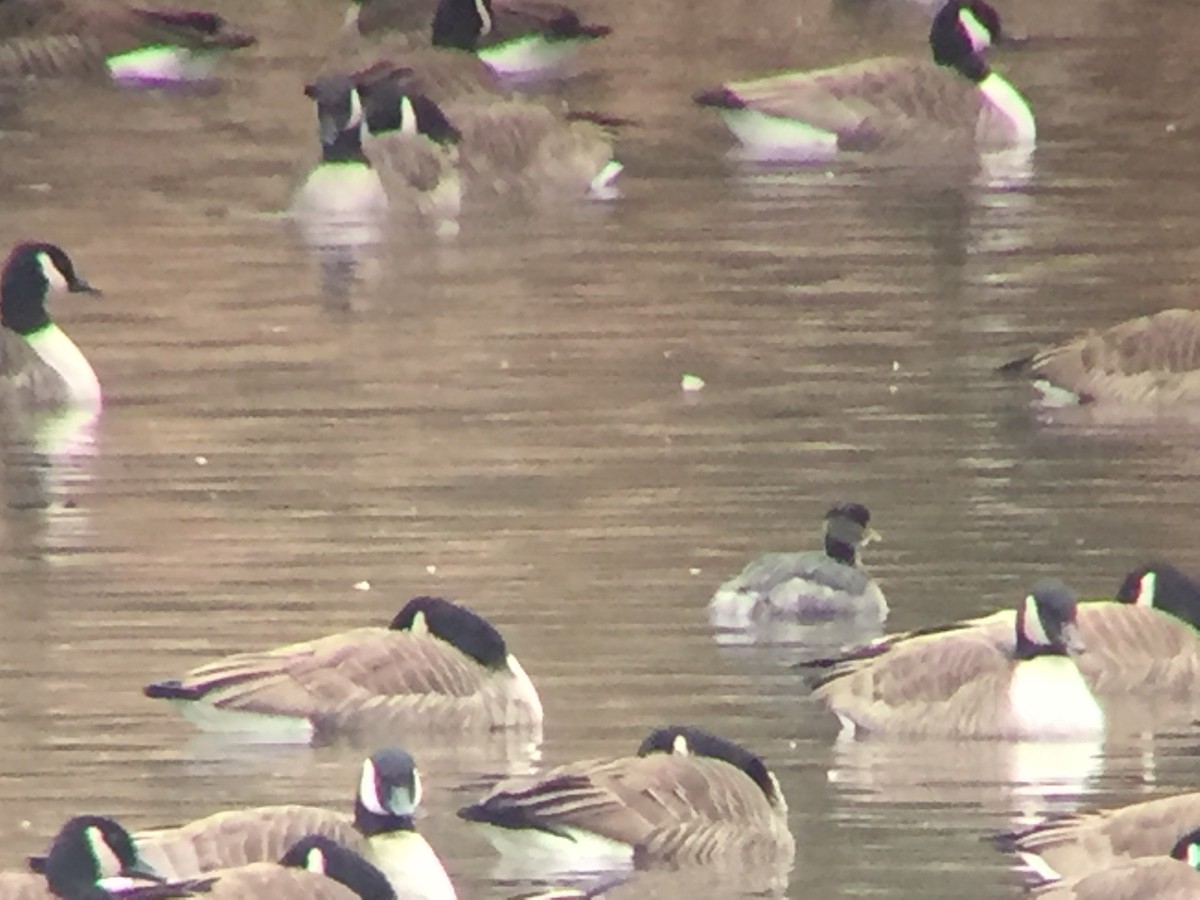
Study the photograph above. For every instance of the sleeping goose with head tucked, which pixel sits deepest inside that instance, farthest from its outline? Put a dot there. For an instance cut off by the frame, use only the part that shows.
(891, 104)
(438, 666)
(687, 798)
(974, 686)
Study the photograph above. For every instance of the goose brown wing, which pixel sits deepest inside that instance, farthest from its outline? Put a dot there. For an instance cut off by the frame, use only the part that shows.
(1132, 648)
(1127, 361)
(262, 880)
(1162, 879)
(948, 685)
(1078, 845)
(874, 100)
(234, 838)
(341, 670)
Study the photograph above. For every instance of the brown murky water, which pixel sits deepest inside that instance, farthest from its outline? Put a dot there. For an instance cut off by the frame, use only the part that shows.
(499, 418)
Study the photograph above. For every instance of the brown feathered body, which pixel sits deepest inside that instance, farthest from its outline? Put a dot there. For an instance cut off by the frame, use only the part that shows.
(669, 809)
(264, 879)
(1077, 846)
(1160, 879)
(1131, 649)
(363, 680)
(227, 840)
(48, 38)
(1149, 360)
(879, 104)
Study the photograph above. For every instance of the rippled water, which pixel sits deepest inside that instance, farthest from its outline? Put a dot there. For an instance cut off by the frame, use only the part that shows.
(498, 417)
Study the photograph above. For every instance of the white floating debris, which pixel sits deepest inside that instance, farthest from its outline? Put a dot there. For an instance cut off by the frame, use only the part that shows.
(895, 365)
(691, 382)
(892, 389)
(694, 570)
(431, 569)
(202, 460)
(362, 585)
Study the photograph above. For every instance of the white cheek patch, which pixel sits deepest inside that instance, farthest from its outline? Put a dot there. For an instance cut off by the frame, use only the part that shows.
(419, 626)
(107, 863)
(1032, 626)
(1193, 856)
(53, 275)
(485, 17)
(315, 861)
(416, 789)
(1147, 588)
(977, 34)
(408, 117)
(680, 746)
(368, 790)
(356, 111)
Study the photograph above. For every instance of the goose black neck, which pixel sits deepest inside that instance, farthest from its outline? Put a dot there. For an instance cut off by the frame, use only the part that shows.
(345, 148)
(840, 550)
(1027, 649)
(372, 823)
(457, 24)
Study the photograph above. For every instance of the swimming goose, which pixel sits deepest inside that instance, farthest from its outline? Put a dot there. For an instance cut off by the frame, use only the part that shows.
(813, 584)
(687, 797)
(381, 830)
(515, 38)
(1147, 361)
(1173, 877)
(887, 103)
(437, 666)
(315, 868)
(1073, 846)
(504, 145)
(1146, 642)
(972, 686)
(61, 376)
(91, 857)
(45, 38)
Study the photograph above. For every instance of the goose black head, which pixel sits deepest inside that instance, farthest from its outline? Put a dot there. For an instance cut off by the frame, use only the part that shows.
(1046, 621)
(688, 740)
(325, 856)
(34, 269)
(88, 849)
(960, 33)
(1163, 586)
(847, 528)
(390, 107)
(456, 625)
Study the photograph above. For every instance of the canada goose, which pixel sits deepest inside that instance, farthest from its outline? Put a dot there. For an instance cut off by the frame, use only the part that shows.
(87, 854)
(62, 376)
(515, 38)
(382, 830)
(1148, 361)
(315, 868)
(815, 584)
(1173, 877)
(344, 190)
(1073, 846)
(1146, 642)
(687, 797)
(973, 687)
(886, 103)
(437, 666)
(46, 38)
(504, 145)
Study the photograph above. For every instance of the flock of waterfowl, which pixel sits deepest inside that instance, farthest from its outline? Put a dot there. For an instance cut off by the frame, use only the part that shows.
(418, 113)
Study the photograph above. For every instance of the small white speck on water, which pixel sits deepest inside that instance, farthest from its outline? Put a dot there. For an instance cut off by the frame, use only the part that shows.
(895, 365)
(694, 570)
(362, 585)
(892, 389)
(431, 569)
(202, 460)
(691, 382)
(1172, 127)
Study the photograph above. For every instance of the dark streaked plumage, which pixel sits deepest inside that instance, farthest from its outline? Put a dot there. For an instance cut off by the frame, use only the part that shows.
(886, 103)
(813, 585)
(438, 665)
(75, 37)
(688, 797)
(974, 686)
(1151, 360)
